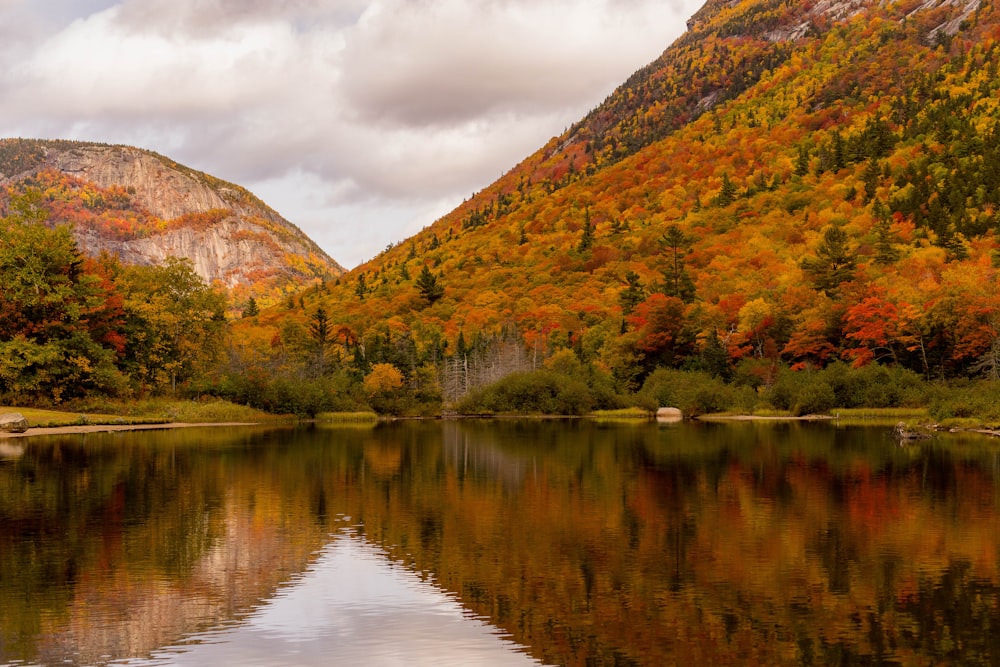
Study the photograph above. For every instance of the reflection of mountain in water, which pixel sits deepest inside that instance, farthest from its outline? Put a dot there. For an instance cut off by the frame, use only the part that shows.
(353, 606)
(124, 543)
(122, 612)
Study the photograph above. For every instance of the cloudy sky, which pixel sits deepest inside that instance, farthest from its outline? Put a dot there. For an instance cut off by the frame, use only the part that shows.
(361, 121)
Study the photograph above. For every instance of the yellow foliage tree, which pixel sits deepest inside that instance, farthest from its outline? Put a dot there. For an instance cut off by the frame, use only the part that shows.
(383, 379)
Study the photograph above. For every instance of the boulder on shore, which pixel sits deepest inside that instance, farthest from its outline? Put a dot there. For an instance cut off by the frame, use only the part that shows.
(669, 415)
(13, 422)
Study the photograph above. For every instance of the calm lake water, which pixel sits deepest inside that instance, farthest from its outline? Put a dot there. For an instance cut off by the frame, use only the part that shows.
(500, 542)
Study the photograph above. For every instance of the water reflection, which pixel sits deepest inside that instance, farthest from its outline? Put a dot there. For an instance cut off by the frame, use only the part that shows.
(352, 606)
(583, 543)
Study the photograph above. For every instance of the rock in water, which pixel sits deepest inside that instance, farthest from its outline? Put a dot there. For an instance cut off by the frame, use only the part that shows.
(13, 422)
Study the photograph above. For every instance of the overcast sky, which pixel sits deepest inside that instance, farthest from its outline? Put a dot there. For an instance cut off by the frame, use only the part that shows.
(361, 121)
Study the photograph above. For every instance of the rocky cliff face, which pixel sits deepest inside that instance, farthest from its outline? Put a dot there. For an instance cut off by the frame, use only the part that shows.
(229, 235)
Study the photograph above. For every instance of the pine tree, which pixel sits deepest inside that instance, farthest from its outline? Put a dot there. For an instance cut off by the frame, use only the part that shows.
(428, 285)
(885, 250)
(802, 162)
(677, 281)
(251, 309)
(834, 262)
(633, 294)
(727, 193)
(319, 331)
(587, 238)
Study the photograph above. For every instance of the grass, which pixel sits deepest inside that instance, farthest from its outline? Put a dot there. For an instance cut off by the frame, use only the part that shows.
(880, 413)
(622, 413)
(346, 417)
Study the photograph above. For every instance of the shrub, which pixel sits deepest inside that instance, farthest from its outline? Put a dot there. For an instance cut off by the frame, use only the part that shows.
(531, 392)
(801, 392)
(693, 392)
(980, 400)
(287, 394)
(874, 386)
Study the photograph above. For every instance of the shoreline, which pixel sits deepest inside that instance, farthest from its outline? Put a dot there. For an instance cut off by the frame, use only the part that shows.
(82, 429)
(77, 429)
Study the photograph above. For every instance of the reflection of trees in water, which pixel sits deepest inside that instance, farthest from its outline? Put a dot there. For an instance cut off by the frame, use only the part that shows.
(776, 541)
(628, 543)
(479, 454)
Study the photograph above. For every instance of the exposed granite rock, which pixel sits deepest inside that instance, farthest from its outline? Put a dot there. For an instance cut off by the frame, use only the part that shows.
(246, 243)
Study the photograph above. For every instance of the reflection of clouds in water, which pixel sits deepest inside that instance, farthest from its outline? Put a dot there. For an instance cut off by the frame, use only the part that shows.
(353, 607)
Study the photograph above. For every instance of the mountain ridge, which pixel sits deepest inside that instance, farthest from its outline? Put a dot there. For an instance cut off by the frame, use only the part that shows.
(142, 207)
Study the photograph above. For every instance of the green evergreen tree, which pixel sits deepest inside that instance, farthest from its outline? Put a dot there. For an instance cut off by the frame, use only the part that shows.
(633, 294)
(834, 262)
(838, 152)
(873, 172)
(802, 162)
(319, 332)
(676, 280)
(885, 249)
(251, 309)
(587, 238)
(427, 283)
(727, 193)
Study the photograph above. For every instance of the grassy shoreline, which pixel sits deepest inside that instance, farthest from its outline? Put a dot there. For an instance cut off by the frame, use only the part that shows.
(148, 413)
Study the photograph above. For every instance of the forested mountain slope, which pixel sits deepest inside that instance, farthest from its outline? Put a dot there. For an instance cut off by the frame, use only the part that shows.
(790, 182)
(143, 207)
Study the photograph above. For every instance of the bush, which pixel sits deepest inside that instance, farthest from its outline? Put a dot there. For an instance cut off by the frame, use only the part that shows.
(874, 386)
(979, 400)
(801, 392)
(287, 394)
(532, 392)
(693, 392)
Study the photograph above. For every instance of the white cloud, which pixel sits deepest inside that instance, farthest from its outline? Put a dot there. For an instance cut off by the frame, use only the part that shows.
(390, 109)
(433, 63)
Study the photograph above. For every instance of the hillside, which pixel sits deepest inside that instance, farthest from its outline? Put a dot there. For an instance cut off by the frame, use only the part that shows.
(143, 207)
(789, 183)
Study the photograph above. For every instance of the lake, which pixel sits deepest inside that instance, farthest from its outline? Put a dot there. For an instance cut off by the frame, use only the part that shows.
(500, 542)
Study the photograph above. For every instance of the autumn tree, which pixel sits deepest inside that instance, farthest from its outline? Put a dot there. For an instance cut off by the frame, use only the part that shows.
(660, 323)
(54, 336)
(874, 327)
(174, 323)
(384, 387)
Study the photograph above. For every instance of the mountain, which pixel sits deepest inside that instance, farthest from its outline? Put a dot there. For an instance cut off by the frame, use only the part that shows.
(144, 207)
(788, 183)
